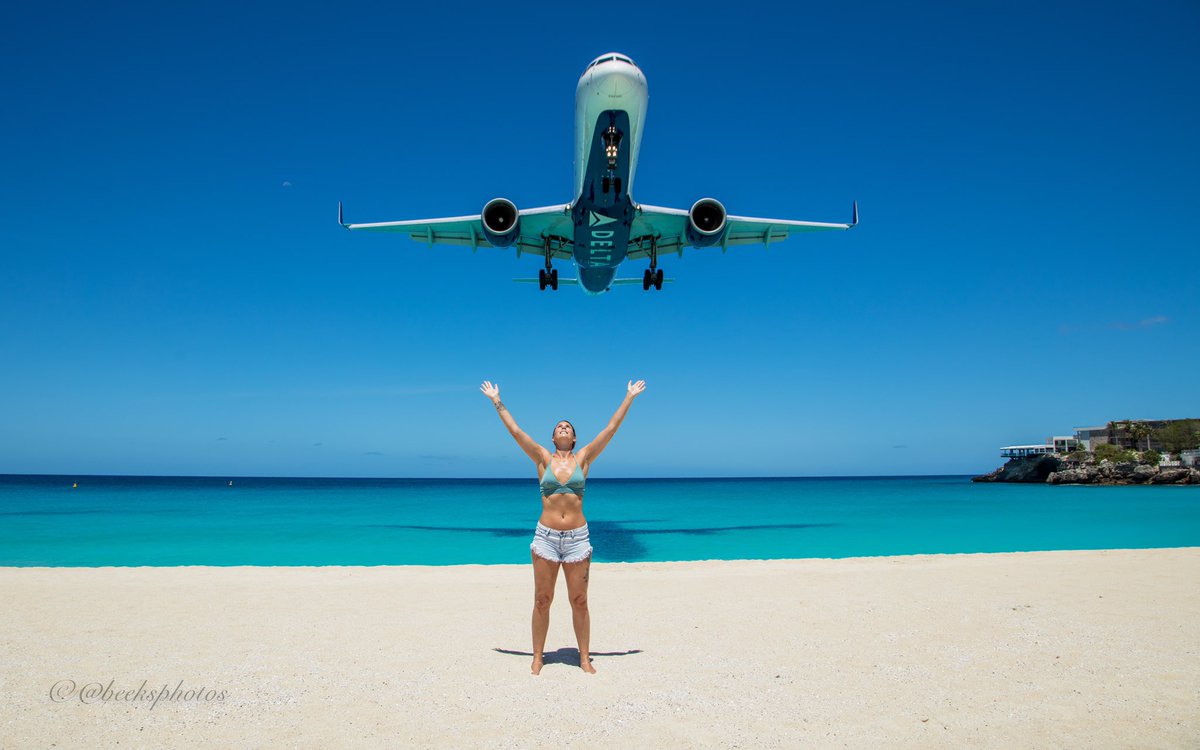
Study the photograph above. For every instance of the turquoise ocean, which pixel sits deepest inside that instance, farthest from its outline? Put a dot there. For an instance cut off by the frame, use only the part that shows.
(261, 521)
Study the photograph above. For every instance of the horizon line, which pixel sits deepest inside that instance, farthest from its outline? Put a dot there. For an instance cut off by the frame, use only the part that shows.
(485, 479)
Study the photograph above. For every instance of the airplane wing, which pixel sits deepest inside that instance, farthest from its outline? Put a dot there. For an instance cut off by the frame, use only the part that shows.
(537, 225)
(669, 226)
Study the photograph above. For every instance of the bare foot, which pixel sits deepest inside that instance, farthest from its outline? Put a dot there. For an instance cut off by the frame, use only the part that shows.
(586, 665)
(537, 665)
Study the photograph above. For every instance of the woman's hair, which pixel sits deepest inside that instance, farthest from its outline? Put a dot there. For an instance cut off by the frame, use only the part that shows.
(555, 427)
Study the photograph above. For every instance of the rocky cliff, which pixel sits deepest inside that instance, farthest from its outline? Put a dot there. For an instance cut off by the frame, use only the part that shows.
(1028, 469)
(1052, 469)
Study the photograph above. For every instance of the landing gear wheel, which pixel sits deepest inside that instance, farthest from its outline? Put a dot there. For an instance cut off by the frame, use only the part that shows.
(542, 279)
(554, 279)
(605, 184)
(658, 279)
(646, 282)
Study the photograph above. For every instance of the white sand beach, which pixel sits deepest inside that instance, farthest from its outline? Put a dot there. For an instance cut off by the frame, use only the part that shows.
(1047, 649)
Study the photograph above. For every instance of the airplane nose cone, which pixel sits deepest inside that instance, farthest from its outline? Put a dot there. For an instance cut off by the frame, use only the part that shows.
(613, 85)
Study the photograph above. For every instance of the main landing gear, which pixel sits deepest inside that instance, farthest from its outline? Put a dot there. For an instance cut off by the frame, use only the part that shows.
(548, 277)
(653, 277)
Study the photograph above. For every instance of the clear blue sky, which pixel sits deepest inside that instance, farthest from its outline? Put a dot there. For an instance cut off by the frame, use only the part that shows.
(177, 297)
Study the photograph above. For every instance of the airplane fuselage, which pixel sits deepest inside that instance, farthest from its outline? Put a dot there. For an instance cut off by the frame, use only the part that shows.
(610, 109)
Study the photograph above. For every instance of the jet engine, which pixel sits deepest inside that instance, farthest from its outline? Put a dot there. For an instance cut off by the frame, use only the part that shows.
(706, 223)
(501, 222)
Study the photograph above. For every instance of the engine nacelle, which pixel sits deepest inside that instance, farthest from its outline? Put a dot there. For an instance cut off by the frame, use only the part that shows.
(501, 222)
(706, 223)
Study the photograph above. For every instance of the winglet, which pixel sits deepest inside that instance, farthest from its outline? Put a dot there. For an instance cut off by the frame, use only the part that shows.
(344, 224)
(854, 221)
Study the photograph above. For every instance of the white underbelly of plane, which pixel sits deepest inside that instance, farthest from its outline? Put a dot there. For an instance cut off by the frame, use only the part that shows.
(606, 87)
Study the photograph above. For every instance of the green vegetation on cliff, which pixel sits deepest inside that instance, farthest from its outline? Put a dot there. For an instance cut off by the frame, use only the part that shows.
(1179, 436)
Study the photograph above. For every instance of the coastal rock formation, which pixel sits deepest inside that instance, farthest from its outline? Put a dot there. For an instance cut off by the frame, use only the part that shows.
(1176, 476)
(1124, 473)
(1027, 469)
(1054, 470)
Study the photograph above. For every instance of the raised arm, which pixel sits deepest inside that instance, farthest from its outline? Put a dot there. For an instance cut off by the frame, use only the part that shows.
(539, 454)
(592, 450)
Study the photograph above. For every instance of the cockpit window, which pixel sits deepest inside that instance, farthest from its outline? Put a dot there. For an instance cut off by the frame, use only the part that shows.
(610, 58)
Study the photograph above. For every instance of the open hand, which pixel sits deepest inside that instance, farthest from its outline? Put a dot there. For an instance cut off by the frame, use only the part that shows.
(636, 388)
(491, 391)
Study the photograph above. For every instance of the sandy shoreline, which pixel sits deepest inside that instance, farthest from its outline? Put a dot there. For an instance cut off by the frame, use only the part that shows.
(1043, 649)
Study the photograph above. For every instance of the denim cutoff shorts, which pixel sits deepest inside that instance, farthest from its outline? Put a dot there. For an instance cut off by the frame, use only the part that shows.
(561, 546)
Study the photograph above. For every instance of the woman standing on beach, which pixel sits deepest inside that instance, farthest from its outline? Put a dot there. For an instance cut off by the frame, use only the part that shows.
(561, 536)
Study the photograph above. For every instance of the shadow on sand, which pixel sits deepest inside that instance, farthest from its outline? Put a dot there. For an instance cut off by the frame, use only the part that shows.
(565, 655)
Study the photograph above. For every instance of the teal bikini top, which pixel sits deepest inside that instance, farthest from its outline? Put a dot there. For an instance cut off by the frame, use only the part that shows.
(573, 486)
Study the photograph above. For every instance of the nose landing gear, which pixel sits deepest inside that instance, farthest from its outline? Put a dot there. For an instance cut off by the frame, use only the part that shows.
(612, 145)
(612, 149)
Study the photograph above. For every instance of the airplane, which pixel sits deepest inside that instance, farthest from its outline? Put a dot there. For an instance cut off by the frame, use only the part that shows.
(602, 226)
